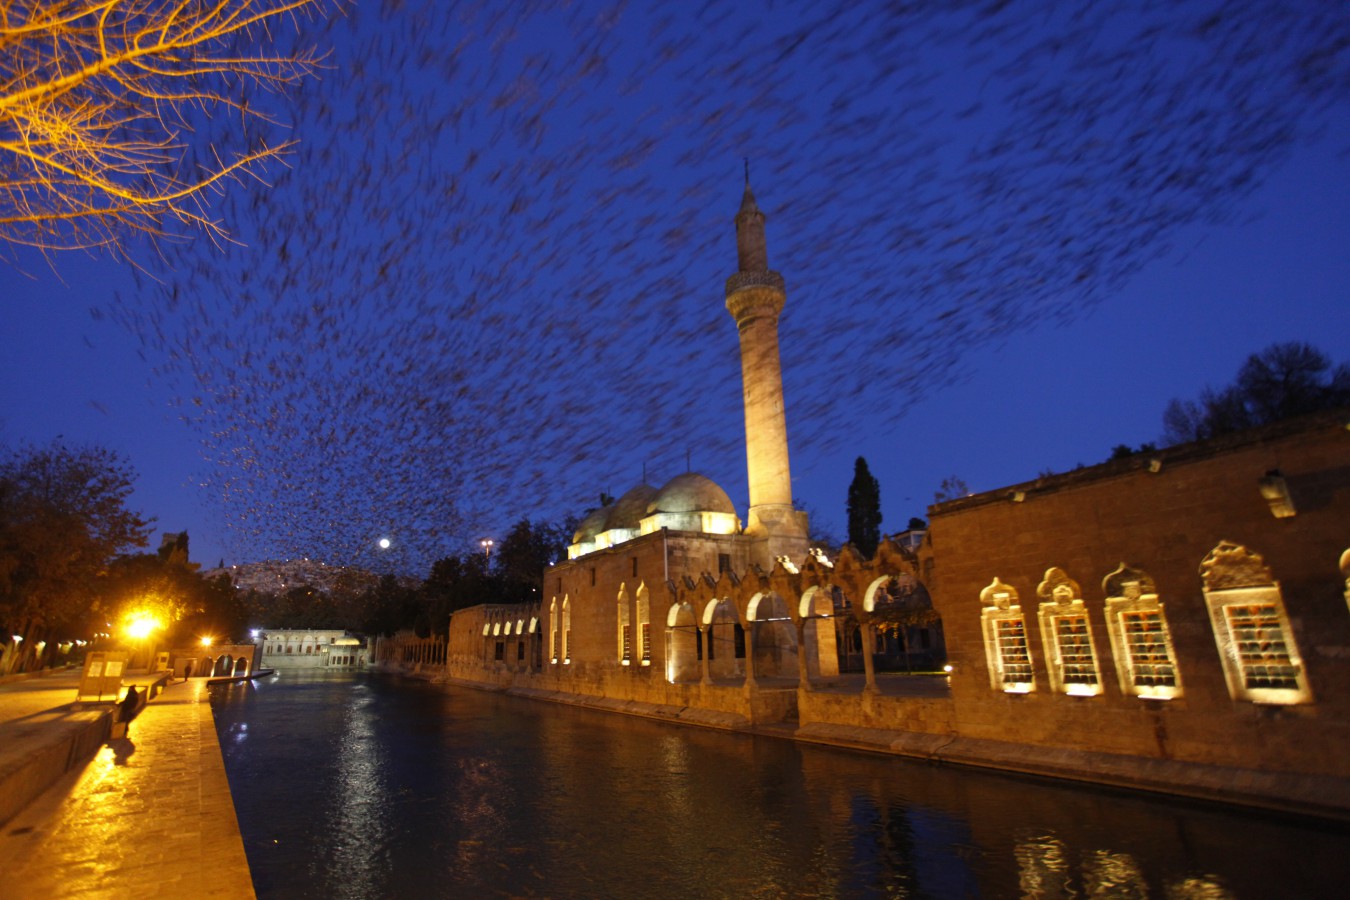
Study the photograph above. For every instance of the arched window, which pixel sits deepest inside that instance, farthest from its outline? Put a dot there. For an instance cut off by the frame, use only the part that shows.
(1067, 634)
(553, 632)
(1005, 640)
(625, 630)
(1260, 658)
(644, 624)
(567, 631)
(1135, 620)
(1345, 573)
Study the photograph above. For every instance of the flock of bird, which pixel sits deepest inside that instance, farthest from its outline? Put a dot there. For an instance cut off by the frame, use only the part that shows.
(489, 282)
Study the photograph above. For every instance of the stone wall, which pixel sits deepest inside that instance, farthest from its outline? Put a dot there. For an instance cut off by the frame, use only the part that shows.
(1162, 514)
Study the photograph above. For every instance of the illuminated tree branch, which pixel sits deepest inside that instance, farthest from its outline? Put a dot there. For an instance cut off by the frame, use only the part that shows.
(103, 106)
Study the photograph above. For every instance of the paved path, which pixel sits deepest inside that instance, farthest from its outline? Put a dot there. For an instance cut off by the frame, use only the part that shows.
(150, 816)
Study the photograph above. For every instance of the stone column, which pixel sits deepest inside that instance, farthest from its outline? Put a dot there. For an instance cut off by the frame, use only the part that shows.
(869, 642)
(707, 645)
(802, 671)
(750, 654)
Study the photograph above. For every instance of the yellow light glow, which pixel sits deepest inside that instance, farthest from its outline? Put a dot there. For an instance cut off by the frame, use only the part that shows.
(141, 626)
(208, 641)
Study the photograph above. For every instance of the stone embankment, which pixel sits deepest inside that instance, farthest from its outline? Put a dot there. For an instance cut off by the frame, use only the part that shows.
(146, 815)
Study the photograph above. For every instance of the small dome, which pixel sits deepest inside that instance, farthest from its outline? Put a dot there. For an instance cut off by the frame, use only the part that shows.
(593, 524)
(630, 508)
(689, 493)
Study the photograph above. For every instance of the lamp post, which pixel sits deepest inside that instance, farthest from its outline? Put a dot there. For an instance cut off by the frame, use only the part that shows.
(486, 544)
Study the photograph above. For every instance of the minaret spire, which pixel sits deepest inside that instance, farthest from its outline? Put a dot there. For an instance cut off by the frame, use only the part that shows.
(755, 298)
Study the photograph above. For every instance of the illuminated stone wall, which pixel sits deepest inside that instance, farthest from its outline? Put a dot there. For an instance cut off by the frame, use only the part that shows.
(1172, 609)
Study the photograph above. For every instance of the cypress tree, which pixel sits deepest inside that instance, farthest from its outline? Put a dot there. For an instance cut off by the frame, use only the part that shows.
(864, 510)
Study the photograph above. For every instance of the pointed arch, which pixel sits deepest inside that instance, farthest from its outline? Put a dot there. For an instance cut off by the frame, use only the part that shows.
(682, 662)
(643, 614)
(820, 639)
(566, 630)
(775, 636)
(723, 639)
(554, 631)
(624, 628)
(1345, 574)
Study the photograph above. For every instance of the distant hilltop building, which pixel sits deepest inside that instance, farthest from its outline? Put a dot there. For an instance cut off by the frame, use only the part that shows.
(279, 576)
(1175, 621)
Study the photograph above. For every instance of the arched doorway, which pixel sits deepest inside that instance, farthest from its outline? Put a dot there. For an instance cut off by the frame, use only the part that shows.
(775, 637)
(682, 645)
(724, 640)
(818, 633)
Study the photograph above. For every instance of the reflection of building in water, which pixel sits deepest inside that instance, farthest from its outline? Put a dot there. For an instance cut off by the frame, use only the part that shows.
(1174, 621)
(311, 649)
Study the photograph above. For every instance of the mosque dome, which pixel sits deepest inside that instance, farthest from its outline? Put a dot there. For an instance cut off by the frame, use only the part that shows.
(593, 524)
(630, 508)
(691, 493)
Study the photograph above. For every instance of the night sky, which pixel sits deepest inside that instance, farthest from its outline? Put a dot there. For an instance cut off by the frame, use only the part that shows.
(490, 284)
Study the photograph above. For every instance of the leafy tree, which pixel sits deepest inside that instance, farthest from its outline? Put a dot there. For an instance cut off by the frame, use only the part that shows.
(1124, 451)
(525, 553)
(864, 509)
(1283, 380)
(97, 95)
(391, 607)
(63, 517)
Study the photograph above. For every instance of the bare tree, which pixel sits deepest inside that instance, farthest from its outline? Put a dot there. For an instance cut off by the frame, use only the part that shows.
(1283, 380)
(99, 100)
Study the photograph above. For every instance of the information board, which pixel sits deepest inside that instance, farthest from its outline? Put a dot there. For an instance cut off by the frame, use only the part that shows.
(102, 676)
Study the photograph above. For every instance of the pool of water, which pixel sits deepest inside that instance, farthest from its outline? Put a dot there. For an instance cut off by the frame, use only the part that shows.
(366, 786)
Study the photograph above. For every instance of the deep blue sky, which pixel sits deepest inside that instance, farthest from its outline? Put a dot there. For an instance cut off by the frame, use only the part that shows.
(555, 319)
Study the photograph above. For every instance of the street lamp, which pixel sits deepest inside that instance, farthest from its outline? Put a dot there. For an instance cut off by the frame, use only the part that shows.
(486, 544)
(139, 630)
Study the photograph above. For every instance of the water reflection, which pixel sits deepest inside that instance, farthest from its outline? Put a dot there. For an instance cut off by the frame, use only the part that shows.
(353, 786)
(357, 809)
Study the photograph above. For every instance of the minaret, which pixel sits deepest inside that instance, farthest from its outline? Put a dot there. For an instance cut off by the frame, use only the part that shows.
(755, 296)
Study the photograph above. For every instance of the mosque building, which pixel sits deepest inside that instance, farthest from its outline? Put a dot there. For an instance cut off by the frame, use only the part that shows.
(1177, 621)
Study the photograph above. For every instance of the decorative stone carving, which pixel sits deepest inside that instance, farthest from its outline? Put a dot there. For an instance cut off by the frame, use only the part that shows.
(999, 595)
(1058, 587)
(1129, 583)
(1231, 565)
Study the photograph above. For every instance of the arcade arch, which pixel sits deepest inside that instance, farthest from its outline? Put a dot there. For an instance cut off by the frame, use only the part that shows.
(682, 644)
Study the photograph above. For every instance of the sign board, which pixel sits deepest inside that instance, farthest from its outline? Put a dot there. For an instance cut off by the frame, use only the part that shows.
(161, 661)
(102, 676)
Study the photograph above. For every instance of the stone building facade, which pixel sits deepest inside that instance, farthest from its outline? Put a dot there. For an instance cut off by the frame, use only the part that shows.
(1176, 621)
(311, 649)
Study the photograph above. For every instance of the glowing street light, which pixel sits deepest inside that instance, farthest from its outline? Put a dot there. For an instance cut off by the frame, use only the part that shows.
(140, 628)
(486, 544)
(208, 641)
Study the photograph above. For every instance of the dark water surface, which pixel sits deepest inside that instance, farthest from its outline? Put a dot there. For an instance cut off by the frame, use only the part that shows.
(364, 786)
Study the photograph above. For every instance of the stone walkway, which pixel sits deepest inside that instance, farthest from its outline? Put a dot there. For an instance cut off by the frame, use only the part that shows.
(150, 816)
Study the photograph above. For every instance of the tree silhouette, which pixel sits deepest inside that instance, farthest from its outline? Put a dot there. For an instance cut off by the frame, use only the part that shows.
(864, 510)
(1283, 380)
